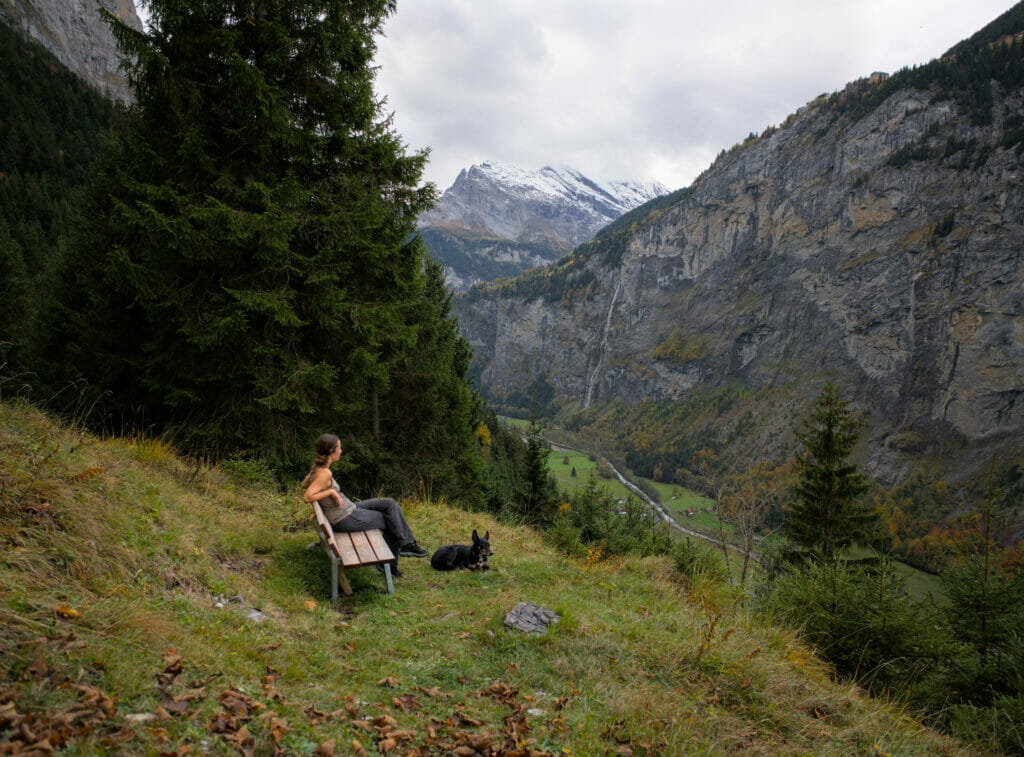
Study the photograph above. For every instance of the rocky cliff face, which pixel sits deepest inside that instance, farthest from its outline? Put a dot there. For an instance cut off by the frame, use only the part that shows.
(497, 220)
(883, 250)
(76, 34)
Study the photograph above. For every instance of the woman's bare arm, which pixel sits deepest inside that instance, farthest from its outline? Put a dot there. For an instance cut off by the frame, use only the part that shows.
(320, 487)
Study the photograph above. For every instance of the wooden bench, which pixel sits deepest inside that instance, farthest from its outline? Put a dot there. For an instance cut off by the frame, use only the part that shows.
(353, 549)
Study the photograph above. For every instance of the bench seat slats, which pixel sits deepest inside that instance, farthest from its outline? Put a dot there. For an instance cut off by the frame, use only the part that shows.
(380, 547)
(350, 555)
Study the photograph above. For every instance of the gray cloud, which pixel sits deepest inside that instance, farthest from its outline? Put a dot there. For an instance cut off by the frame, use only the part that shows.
(636, 89)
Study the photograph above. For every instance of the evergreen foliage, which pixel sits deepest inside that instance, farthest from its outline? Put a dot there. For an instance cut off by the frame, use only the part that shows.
(51, 127)
(247, 272)
(482, 256)
(827, 515)
(430, 416)
(964, 74)
(861, 619)
(986, 610)
(591, 524)
(537, 502)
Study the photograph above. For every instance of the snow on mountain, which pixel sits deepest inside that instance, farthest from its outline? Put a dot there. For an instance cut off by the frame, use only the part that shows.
(498, 220)
(557, 203)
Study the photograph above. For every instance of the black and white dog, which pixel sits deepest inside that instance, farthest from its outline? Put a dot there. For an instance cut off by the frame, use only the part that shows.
(458, 556)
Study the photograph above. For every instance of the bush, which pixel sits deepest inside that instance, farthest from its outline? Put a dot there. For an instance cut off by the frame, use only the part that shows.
(861, 619)
(591, 519)
(698, 558)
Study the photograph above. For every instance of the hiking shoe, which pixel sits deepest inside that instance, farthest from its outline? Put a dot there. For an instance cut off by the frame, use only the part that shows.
(395, 572)
(412, 549)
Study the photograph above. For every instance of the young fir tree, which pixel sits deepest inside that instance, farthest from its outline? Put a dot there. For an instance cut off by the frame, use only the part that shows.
(537, 501)
(247, 269)
(828, 515)
(985, 609)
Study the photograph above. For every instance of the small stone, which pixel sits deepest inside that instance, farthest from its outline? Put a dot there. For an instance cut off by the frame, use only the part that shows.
(530, 618)
(140, 717)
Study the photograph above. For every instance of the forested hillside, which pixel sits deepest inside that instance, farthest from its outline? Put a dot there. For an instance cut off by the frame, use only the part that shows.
(232, 262)
(51, 130)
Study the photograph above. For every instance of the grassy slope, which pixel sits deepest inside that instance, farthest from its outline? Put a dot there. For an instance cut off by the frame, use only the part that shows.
(111, 552)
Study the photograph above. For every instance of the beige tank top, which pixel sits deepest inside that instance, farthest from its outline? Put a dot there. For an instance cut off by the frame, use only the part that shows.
(332, 511)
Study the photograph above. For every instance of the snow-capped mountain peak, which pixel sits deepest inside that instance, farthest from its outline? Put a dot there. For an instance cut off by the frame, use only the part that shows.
(498, 219)
(555, 201)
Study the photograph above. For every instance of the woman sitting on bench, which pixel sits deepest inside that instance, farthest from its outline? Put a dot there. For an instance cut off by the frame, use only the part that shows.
(345, 515)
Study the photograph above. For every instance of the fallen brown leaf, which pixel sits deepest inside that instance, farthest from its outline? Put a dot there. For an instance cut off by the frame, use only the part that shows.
(324, 749)
(236, 701)
(271, 677)
(385, 723)
(389, 681)
(406, 703)
(181, 750)
(276, 726)
(224, 723)
(315, 716)
(173, 665)
(204, 682)
(243, 741)
(174, 705)
(120, 736)
(39, 669)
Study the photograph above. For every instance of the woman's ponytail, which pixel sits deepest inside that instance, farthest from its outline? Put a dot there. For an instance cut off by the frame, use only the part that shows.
(325, 445)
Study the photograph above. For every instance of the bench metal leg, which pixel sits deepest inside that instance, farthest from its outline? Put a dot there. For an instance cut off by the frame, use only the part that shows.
(387, 577)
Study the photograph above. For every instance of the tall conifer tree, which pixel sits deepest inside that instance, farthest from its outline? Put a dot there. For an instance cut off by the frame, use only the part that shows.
(430, 416)
(828, 515)
(247, 264)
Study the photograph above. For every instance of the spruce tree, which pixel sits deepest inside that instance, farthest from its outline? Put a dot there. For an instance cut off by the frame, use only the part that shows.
(430, 415)
(536, 503)
(827, 515)
(246, 269)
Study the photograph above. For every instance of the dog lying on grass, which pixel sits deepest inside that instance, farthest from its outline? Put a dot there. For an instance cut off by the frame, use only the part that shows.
(456, 556)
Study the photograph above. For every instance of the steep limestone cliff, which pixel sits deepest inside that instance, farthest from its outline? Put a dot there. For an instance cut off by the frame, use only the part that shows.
(883, 250)
(76, 34)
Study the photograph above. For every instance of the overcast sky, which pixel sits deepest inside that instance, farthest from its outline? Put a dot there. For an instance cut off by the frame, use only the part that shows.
(636, 89)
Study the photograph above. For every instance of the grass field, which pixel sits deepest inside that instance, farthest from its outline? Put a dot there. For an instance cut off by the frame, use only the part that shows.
(561, 463)
(113, 553)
